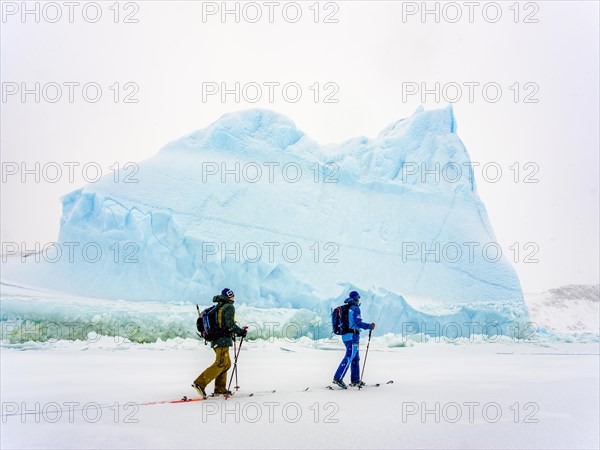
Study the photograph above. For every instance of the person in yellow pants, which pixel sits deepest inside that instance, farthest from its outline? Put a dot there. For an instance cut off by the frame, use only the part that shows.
(218, 370)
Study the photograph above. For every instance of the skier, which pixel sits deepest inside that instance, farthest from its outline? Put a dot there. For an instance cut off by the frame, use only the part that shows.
(351, 340)
(218, 370)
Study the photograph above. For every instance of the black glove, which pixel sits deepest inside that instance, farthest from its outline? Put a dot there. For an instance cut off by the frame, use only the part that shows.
(243, 333)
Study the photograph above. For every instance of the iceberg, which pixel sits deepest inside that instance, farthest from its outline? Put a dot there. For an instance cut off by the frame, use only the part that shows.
(252, 203)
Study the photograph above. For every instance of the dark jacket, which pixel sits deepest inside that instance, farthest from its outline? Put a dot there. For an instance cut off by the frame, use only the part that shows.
(226, 317)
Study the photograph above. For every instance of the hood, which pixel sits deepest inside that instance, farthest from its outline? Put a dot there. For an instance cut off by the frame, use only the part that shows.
(221, 299)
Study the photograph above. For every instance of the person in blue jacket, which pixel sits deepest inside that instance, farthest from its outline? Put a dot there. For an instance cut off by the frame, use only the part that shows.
(351, 341)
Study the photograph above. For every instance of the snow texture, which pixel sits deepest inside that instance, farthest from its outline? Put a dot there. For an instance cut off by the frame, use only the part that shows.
(521, 395)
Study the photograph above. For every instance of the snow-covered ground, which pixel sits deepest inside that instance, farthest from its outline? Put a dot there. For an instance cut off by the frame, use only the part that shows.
(476, 392)
(568, 309)
(443, 396)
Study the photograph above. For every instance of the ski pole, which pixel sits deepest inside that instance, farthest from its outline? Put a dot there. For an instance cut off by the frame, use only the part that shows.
(237, 385)
(236, 354)
(234, 372)
(366, 354)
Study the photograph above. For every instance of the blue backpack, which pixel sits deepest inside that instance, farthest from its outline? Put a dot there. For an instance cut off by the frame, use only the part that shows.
(339, 319)
(208, 324)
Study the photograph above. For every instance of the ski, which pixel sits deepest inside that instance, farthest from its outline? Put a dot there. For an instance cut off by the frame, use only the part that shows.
(379, 384)
(252, 394)
(184, 399)
(331, 388)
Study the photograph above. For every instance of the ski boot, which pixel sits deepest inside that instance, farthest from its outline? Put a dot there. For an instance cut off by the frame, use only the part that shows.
(226, 393)
(340, 383)
(357, 384)
(200, 390)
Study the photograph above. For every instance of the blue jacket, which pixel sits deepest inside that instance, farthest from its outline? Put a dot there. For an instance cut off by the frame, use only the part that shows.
(354, 322)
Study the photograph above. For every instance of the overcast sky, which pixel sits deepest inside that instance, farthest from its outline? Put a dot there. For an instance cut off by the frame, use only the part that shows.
(370, 54)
